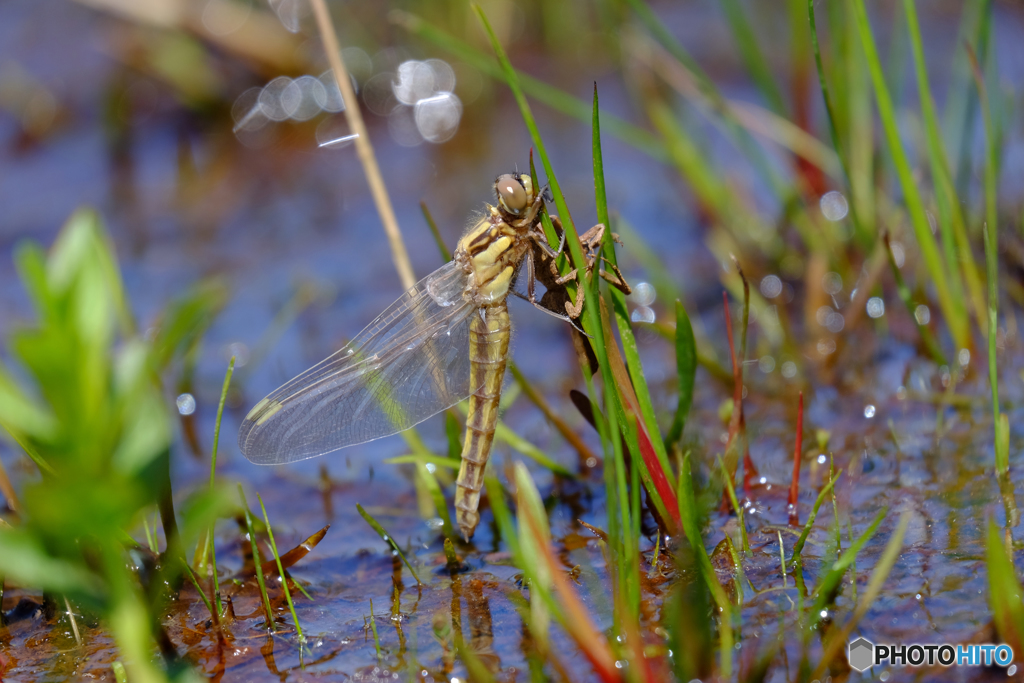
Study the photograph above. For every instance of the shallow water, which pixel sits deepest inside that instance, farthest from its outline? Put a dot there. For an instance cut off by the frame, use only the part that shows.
(185, 201)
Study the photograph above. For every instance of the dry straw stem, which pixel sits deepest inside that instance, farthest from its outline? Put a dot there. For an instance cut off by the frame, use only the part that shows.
(363, 147)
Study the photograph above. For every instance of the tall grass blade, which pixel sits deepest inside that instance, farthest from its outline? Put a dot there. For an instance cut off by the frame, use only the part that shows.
(799, 546)
(686, 372)
(953, 308)
(280, 570)
(1005, 591)
(250, 528)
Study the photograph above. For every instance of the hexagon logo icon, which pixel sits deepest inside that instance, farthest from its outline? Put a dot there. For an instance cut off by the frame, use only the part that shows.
(861, 654)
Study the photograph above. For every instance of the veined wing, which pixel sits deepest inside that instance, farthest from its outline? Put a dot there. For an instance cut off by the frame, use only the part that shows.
(410, 363)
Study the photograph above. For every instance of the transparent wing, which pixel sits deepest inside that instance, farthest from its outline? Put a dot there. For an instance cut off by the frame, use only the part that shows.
(410, 363)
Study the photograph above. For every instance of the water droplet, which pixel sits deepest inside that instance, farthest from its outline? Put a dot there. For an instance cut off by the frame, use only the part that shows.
(276, 100)
(437, 117)
(826, 346)
(875, 307)
(822, 315)
(186, 404)
(964, 356)
(413, 81)
(766, 364)
(241, 353)
(834, 206)
(643, 314)
(922, 314)
(435, 523)
(431, 467)
(832, 283)
(822, 459)
(591, 462)
(824, 614)
(764, 480)
(835, 323)
(869, 411)
(444, 75)
(643, 294)
(305, 97)
(789, 369)
(771, 286)
(901, 393)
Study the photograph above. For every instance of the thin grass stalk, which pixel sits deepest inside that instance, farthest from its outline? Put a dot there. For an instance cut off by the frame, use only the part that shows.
(686, 372)
(731, 491)
(446, 253)
(280, 571)
(953, 309)
(373, 627)
(955, 242)
(250, 527)
(753, 57)
(991, 236)
(560, 425)
(199, 589)
(794, 486)
(799, 546)
(387, 538)
(364, 148)
(875, 583)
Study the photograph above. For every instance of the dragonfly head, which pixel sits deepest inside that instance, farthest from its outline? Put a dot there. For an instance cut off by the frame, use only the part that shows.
(515, 193)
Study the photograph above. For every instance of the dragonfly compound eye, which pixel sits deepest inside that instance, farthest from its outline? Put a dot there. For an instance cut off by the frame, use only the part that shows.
(511, 193)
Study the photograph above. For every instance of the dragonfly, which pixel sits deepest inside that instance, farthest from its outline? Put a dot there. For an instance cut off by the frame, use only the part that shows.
(445, 339)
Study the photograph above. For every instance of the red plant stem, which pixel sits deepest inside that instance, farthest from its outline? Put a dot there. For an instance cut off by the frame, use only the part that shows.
(794, 486)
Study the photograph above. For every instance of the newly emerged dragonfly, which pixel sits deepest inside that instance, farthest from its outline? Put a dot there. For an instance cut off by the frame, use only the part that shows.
(445, 339)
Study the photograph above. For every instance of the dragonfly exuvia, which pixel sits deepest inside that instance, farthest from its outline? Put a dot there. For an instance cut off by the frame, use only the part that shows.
(444, 340)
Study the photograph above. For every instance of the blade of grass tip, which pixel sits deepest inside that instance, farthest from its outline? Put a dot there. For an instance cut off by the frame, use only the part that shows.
(120, 674)
(735, 505)
(799, 546)
(280, 570)
(930, 345)
(386, 537)
(686, 372)
(991, 235)
(446, 254)
(953, 309)
(1004, 589)
(794, 486)
(875, 583)
(364, 149)
(452, 560)
(257, 562)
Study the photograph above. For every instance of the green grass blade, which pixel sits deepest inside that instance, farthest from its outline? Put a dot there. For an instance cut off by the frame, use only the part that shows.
(753, 57)
(955, 245)
(256, 561)
(686, 371)
(280, 570)
(1004, 590)
(387, 538)
(799, 546)
(735, 506)
(953, 309)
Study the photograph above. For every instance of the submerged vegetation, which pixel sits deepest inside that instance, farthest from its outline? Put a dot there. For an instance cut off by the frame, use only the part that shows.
(711, 552)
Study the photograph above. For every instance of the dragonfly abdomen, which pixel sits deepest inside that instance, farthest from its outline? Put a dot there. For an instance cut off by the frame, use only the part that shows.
(489, 335)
